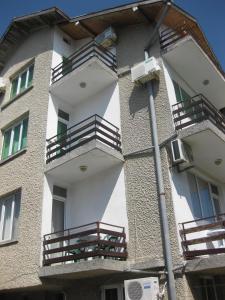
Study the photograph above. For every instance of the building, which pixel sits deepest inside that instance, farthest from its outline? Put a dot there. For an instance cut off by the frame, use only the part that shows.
(79, 203)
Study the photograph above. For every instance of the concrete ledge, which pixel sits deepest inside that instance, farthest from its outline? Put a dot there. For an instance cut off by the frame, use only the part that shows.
(204, 264)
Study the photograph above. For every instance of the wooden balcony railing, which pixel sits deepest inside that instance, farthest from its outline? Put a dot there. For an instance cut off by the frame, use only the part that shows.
(81, 56)
(92, 128)
(204, 236)
(195, 110)
(84, 243)
(170, 36)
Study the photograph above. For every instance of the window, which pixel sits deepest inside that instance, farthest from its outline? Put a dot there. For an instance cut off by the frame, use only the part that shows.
(205, 198)
(113, 292)
(181, 95)
(9, 214)
(22, 82)
(15, 138)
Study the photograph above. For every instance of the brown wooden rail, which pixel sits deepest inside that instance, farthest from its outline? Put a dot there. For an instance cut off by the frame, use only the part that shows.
(201, 226)
(195, 110)
(92, 128)
(82, 55)
(85, 242)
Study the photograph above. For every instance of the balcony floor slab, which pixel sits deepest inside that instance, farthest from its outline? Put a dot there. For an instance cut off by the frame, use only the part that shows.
(95, 155)
(94, 73)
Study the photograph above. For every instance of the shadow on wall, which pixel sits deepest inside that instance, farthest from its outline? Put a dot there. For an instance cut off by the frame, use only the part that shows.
(95, 199)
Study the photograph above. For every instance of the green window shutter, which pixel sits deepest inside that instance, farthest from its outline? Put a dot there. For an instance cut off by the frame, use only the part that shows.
(16, 138)
(177, 91)
(23, 81)
(24, 134)
(62, 127)
(14, 88)
(30, 77)
(6, 143)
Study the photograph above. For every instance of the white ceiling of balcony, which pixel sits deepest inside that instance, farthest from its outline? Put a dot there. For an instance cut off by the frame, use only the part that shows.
(93, 73)
(207, 147)
(194, 66)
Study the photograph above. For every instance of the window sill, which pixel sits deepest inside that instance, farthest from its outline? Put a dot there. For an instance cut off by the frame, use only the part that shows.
(16, 97)
(8, 159)
(8, 243)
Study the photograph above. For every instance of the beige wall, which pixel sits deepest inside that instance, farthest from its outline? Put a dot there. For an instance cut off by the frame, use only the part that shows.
(19, 262)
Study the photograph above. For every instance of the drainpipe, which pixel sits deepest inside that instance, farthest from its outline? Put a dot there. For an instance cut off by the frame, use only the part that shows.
(161, 191)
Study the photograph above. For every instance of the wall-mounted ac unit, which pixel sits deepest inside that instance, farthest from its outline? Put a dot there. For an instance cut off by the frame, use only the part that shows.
(2, 85)
(107, 38)
(142, 289)
(145, 71)
(181, 152)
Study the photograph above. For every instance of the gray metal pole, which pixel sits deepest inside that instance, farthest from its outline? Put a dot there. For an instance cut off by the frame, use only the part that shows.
(162, 199)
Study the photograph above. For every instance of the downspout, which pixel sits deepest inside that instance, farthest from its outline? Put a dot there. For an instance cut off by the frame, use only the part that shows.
(159, 176)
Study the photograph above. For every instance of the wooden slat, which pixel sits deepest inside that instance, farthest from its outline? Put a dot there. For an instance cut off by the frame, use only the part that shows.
(219, 224)
(193, 253)
(219, 236)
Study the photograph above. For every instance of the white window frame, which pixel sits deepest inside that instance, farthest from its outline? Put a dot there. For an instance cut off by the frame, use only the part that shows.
(18, 90)
(12, 128)
(2, 219)
(119, 288)
(212, 195)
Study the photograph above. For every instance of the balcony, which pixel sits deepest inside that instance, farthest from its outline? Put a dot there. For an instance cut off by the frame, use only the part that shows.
(203, 236)
(93, 143)
(183, 53)
(87, 71)
(84, 243)
(196, 110)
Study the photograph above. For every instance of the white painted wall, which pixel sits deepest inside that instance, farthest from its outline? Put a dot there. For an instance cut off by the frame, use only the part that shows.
(182, 200)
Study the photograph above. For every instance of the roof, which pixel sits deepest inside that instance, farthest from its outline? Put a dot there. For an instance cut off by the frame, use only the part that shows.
(92, 24)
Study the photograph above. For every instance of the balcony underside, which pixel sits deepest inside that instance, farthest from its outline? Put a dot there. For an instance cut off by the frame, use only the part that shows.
(95, 155)
(208, 144)
(94, 73)
(189, 60)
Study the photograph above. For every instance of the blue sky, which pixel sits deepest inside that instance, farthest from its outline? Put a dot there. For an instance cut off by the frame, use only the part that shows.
(209, 13)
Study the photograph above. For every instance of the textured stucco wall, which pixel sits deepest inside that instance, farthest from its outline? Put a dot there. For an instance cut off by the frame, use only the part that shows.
(19, 262)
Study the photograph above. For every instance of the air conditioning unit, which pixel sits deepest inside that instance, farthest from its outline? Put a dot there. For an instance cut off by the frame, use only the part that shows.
(145, 71)
(142, 289)
(2, 85)
(107, 38)
(181, 152)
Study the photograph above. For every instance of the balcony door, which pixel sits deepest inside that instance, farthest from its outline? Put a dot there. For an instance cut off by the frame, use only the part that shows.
(205, 197)
(58, 208)
(62, 126)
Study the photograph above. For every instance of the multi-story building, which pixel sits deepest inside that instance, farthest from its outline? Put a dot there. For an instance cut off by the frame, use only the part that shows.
(79, 194)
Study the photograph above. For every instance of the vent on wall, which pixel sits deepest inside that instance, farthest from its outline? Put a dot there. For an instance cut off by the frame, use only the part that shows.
(59, 191)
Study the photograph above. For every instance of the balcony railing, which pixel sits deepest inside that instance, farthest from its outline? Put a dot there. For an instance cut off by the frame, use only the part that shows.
(85, 243)
(195, 110)
(92, 128)
(204, 236)
(81, 56)
(170, 36)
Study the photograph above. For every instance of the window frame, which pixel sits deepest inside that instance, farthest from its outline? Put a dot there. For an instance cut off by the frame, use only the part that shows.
(18, 77)
(211, 193)
(15, 201)
(12, 134)
(119, 287)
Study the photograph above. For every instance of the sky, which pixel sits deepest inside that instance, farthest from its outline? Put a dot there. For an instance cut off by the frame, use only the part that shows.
(209, 13)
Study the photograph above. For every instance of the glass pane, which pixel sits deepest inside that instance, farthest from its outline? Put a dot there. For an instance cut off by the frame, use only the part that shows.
(7, 226)
(31, 73)
(6, 144)
(24, 134)
(111, 294)
(195, 201)
(214, 189)
(57, 216)
(177, 91)
(16, 214)
(23, 81)
(184, 95)
(14, 87)
(217, 205)
(206, 201)
(62, 134)
(16, 138)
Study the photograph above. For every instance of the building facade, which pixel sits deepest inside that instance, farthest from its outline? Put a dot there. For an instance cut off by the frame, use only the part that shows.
(79, 200)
